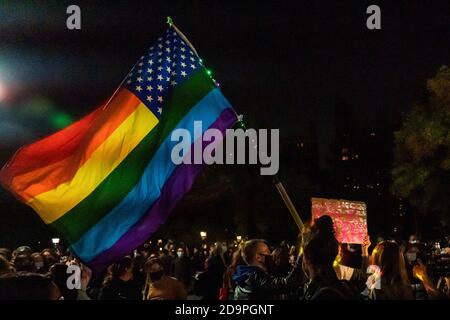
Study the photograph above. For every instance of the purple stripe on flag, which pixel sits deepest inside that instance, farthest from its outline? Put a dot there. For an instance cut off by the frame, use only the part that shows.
(179, 183)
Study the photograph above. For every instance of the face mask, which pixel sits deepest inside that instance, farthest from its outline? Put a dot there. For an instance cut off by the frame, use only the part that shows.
(155, 276)
(411, 257)
(39, 265)
(180, 254)
(269, 264)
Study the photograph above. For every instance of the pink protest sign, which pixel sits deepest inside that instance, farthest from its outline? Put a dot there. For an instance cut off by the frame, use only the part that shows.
(349, 217)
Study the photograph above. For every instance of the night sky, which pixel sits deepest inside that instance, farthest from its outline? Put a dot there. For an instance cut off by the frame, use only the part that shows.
(282, 64)
(277, 62)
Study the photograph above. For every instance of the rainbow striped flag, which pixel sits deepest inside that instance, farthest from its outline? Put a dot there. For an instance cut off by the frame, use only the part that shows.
(107, 182)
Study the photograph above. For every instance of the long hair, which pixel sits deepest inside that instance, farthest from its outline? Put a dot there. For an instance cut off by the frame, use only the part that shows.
(388, 257)
(323, 226)
(121, 266)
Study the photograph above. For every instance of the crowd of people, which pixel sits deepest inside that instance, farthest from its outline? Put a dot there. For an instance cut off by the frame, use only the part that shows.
(317, 267)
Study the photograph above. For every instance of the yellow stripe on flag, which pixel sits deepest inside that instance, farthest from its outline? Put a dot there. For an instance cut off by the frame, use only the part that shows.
(53, 204)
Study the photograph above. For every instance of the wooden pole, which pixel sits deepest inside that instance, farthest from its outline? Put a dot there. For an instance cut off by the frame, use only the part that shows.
(277, 182)
(287, 201)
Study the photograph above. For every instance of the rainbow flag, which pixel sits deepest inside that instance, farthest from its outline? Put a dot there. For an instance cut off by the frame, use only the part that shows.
(107, 182)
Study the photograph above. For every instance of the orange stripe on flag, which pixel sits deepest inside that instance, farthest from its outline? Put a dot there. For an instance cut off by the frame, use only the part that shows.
(46, 178)
(48, 150)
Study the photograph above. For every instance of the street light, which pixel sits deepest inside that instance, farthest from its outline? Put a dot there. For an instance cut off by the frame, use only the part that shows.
(203, 235)
(55, 241)
(239, 238)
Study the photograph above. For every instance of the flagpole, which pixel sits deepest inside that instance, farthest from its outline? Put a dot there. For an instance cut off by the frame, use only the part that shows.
(185, 39)
(181, 34)
(278, 184)
(287, 201)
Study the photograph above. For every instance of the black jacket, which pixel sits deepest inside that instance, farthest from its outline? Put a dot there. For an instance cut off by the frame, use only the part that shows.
(181, 269)
(254, 283)
(215, 268)
(118, 289)
(328, 287)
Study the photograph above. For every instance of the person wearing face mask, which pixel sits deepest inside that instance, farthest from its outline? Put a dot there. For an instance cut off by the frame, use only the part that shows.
(39, 263)
(181, 267)
(254, 282)
(120, 284)
(159, 286)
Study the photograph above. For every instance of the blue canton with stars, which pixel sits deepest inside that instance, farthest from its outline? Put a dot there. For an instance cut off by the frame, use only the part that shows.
(169, 62)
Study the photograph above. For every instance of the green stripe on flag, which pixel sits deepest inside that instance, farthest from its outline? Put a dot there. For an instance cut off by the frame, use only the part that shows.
(121, 181)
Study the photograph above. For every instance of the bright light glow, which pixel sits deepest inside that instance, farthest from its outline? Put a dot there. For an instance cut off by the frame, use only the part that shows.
(238, 238)
(55, 240)
(203, 234)
(2, 91)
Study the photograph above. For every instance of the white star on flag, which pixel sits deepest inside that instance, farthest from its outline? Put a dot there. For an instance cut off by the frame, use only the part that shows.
(160, 99)
(149, 98)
